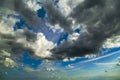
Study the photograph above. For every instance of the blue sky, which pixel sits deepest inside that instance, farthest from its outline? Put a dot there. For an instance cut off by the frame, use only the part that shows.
(93, 68)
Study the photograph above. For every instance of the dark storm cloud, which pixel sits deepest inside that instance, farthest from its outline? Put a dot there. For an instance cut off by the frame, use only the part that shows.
(88, 10)
(102, 18)
(21, 8)
(56, 17)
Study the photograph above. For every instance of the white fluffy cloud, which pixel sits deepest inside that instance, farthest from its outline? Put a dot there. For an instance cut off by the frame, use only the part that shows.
(32, 4)
(42, 46)
(73, 36)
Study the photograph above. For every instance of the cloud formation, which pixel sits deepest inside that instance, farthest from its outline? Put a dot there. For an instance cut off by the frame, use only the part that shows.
(21, 8)
(102, 20)
(56, 17)
(14, 43)
(11, 41)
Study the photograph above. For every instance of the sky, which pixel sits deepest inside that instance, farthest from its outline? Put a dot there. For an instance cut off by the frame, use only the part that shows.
(59, 39)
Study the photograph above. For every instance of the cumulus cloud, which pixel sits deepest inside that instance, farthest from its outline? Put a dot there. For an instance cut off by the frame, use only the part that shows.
(42, 46)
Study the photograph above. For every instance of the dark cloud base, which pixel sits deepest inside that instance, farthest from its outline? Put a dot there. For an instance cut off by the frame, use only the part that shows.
(102, 19)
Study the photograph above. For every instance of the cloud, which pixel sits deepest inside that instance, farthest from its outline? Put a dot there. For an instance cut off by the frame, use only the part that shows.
(86, 11)
(10, 40)
(112, 42)
(13, 43)
(102, 20)
(56, 17)
(64, 8)
(21, 8)
(42, 46)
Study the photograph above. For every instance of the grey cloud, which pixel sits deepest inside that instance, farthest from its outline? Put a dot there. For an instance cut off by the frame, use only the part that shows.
(103, 21)
(21, 8)
(29, 15)
(9, 43)
(56, 17)
(13, 43)
(30, 36)
(88, 10)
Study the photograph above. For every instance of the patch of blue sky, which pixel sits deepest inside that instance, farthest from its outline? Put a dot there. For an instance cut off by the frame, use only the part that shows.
(55, 3)
(77, 30)
(41, 13)
(62, 37)
(108, 57)
(21, 24)
(27, 60)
